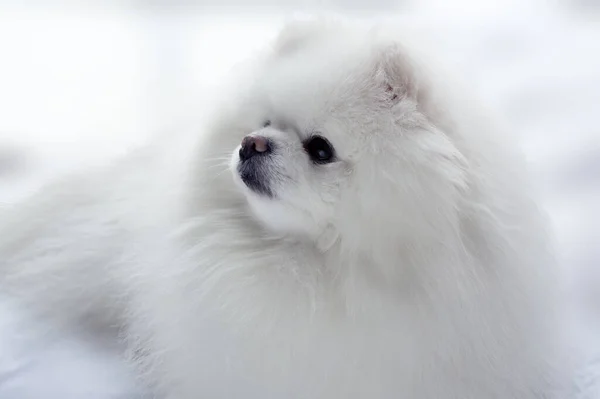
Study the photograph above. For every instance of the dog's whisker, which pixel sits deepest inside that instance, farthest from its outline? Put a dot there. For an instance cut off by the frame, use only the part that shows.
(220, 165)
(218, 159)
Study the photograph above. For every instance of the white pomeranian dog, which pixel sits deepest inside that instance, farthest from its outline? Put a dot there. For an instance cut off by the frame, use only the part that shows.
(348, 228)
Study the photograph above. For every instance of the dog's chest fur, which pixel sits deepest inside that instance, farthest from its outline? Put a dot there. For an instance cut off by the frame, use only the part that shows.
(271, 322)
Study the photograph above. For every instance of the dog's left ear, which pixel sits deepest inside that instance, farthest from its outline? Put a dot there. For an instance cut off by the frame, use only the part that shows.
(395, 73)
(298, 33)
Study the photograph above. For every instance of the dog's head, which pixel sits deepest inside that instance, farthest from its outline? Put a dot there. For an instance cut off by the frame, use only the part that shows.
(342, 147)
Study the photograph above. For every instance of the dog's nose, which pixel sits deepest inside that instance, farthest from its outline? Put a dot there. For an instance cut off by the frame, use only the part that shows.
(254, 145)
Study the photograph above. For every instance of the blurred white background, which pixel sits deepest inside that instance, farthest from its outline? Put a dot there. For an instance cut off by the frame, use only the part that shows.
(83, 82)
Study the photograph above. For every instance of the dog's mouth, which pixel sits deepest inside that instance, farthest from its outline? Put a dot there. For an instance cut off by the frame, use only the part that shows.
(255, 175)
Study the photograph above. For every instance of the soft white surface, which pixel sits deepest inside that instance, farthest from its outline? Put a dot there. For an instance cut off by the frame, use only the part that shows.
(36, 364)
(82, 86)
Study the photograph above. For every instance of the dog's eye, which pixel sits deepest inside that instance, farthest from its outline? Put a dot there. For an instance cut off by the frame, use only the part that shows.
(266, 123)
(319, 149)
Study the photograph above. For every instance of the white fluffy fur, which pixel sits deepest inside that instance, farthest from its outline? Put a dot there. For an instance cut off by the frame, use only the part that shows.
(416, 266)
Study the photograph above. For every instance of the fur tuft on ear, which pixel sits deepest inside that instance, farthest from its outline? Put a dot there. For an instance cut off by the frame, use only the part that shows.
(395, 73)
(295, 34)
(298, 33)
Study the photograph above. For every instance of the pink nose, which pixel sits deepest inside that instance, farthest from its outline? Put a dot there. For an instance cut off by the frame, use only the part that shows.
(253, 145)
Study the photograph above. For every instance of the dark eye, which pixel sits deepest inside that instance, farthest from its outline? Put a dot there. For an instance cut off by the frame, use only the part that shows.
(319, 149)
(266, 123)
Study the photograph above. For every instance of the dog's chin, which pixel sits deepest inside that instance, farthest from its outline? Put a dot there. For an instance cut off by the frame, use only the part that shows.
(254, 181)
(251, 177)
(271, 211)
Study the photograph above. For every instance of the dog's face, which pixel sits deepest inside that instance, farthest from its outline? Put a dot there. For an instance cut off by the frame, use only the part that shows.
(340, 145)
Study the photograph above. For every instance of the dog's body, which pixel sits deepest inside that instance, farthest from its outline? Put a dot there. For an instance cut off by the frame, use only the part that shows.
(377, 240)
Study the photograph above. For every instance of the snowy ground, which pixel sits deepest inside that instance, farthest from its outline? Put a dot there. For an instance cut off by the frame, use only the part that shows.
(79, 86)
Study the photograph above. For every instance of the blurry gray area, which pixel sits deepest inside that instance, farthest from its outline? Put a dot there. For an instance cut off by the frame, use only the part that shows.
(586, 4)
(12, 159)
(306, 5)
(168, 6)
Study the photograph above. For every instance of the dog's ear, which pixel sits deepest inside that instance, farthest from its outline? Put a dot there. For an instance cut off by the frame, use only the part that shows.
(298, 33)
(395, 73)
